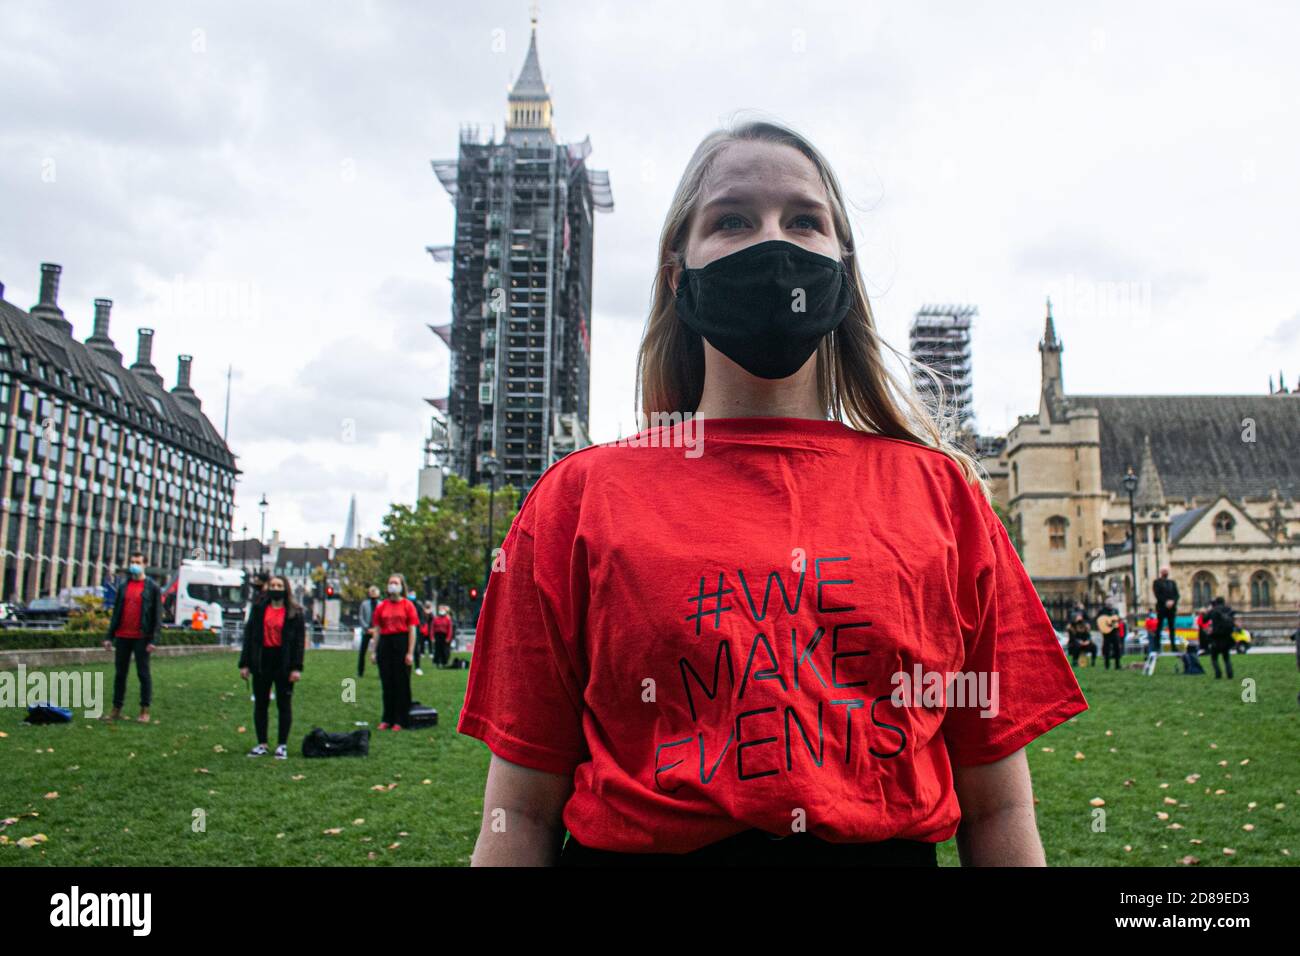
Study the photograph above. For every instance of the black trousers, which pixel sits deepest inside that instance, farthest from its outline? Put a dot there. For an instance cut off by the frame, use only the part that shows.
(273, 675)
(441, 651)
(124, 648)
(1079, 649)
(1168, 614)
(1112, 649)
(1221, 647)
(757, 848)
(395, 677)
(421, 641)
(361, 658)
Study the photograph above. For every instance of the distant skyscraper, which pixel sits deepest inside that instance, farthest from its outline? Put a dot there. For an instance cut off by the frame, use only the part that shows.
(520, 331)
(350, 529)
(940, 338)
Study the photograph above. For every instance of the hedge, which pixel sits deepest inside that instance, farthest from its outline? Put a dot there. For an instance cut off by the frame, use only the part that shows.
(20, 639)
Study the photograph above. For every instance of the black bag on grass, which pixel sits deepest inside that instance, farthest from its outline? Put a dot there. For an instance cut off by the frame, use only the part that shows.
(320, 743)
(422, 716)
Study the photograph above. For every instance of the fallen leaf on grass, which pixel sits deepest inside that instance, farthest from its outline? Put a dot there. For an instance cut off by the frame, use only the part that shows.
(1161, 815)
(334, 831)
(1219, 793)
(358, 821)
(1252, 805)
(1171, 801)
(1196, 842)
(1248, 827)
(1193, 777)
(426, 780)
(1189, 861)
(28, 842)
(218, 749)
(1228, 851)
(1078, 755)
(241, 730)
(202, 770)
(394, 846)
(52, 795)
(298, 776)
(1174, 826)
(1097, 802)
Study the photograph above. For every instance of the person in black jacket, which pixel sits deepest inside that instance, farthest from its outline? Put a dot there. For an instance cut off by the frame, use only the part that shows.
(1165, 589)
(274, 643)
(133, 632)
(1223, 622)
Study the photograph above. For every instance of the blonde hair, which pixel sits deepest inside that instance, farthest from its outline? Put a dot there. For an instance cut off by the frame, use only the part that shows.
(853, 384)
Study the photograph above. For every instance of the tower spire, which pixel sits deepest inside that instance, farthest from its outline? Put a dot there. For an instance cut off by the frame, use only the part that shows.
(529, 118)
(1150, 490)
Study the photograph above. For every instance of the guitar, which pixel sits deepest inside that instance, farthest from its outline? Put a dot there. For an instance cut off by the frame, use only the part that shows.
(1107, 623)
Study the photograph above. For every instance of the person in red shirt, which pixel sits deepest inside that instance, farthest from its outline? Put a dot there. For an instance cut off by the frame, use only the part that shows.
(782, 623)
(132, 632)
(1152, 626)
(275, 640)
(394, 625)
(443, 627)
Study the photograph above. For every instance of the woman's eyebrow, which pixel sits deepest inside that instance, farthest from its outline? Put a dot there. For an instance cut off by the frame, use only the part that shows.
(738, 198)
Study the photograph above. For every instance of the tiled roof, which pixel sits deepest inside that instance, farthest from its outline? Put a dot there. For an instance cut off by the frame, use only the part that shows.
(1198, 442)
(41, 340)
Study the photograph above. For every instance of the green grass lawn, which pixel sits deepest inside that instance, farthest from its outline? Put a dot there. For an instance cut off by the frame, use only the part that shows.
(127, 793)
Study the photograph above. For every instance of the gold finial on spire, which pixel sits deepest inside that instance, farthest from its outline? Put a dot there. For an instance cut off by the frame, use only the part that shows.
(532, 14)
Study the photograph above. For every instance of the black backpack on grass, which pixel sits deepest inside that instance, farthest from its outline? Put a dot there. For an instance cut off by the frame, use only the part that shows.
(320, 743)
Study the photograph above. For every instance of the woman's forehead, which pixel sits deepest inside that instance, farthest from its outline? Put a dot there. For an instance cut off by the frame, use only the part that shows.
(748, 167)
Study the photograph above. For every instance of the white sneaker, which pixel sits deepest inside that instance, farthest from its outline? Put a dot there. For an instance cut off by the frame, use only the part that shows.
(420, 672)
(259, 751)
(282, 752)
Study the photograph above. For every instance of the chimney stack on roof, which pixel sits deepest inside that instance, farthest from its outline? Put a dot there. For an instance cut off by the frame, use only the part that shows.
(99, 339)
(47, 308)
(143, 365)
(182, 389)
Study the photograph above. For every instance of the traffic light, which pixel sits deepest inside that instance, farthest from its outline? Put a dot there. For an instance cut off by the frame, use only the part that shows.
(329, 590)
(473, 594)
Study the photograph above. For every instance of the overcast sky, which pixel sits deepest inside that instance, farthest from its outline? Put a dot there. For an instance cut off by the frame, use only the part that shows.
(252, 180)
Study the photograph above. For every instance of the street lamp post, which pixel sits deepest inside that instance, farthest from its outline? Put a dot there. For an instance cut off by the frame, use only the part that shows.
(490, 466)
(262, 506)
(1130, 485)
(243, 551)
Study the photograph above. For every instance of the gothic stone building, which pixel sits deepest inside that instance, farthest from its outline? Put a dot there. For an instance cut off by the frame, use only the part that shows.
(1216, 497)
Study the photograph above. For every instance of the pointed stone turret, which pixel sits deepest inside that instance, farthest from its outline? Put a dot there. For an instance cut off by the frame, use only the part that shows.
(1052, 396)
(1150, 490)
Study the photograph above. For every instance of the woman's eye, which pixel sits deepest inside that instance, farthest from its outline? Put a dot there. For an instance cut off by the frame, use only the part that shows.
(807, 222)
(730, 221)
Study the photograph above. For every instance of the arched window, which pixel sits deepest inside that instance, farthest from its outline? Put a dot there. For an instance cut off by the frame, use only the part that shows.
(1261, 589)
(1015, 477)
(1202, 588)
(1056, 531)
(1224, 523)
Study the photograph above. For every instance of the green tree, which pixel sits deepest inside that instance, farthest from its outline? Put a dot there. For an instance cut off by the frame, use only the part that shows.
(1012, 526)
(446, 540)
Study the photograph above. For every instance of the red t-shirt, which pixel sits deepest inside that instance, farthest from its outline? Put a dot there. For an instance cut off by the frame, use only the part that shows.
(272, 626)
(393, 617)
(706, 637)
(132, 610)
(441, 625)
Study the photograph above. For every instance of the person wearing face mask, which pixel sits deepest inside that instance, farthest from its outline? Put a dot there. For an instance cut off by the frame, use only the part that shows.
(132, 632)
(366, 615)
(274, 643)
(395, 624)
(789, 534)
(442, 627)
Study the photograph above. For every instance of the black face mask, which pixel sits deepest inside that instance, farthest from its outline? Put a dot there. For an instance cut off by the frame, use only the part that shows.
(767, 306)
(276, 595)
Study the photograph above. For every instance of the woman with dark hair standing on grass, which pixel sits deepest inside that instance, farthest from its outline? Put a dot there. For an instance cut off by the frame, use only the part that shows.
(701, 644)
(274, 642)
(395, 623)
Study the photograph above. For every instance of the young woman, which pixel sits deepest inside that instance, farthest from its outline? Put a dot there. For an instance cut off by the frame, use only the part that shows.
(274, 642)
(394, 625)
(710, 644)
(442, 627)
